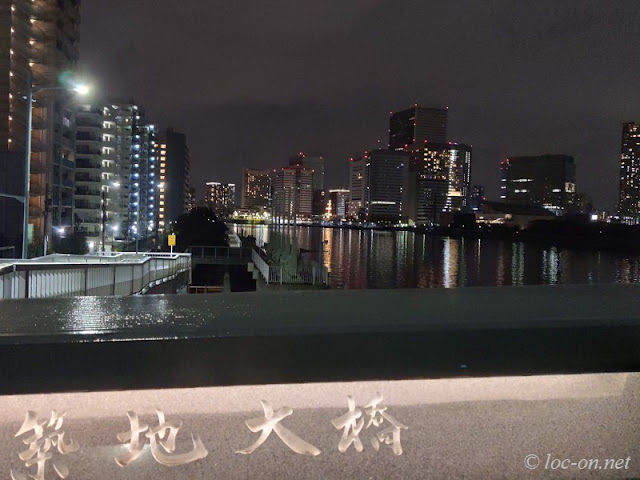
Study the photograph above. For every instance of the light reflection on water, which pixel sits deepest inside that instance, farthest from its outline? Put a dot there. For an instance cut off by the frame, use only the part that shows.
(380, 259)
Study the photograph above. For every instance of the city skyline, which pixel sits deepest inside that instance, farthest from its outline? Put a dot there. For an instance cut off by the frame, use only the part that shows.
(500, 101)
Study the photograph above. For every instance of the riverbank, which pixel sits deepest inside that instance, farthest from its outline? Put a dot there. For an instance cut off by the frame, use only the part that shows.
(559, 233)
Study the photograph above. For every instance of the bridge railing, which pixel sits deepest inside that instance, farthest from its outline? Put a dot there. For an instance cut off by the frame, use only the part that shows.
(82, 275)
(220, 252)
(312, 275)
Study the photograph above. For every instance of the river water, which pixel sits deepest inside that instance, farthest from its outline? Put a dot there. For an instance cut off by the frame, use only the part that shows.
(385, 259)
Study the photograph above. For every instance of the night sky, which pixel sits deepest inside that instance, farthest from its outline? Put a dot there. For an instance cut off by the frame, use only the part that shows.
(253, 82)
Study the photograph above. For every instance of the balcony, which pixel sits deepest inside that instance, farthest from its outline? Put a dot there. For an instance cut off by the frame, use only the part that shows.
(88, 123)
(38, 166)
(36, 189)
(88, 137)
(88, 163)
(87, 220)
(87, 150)
(87, 177)
(67, 143)
(67, 164)
(87, 205)
(80, 190)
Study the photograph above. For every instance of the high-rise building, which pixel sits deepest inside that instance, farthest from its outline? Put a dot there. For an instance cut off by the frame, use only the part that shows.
(416, 125)
(161, 149)
(90, 202)
(316, 165)
(439, 178)
(337, 204)
(386, 182)
(292, 193)
(38, 42)
(547, 181)
(176, 181)
(135, 170)
(116, 173)
(144, 192)
(357, 187)
(629, 198)
(256, 185)
(120, 125)
(221, 197)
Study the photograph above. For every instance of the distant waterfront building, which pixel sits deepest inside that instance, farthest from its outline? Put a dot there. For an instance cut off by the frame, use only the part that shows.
(357, 188)
(256, 185)
(337, 204)
(439, 181)
(386, 180)
(477, 197)
(175, 176)
(292, 193)
(512, 215)
(629, 198)
(40, 37)
(316, 165)
(584, 203)
(221, 197)
(416, 125)
(547, 181)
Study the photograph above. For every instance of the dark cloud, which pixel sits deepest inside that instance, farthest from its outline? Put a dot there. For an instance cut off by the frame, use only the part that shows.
(252, 82)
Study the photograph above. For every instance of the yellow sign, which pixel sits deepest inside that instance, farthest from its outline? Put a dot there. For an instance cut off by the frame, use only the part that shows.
(172, 240)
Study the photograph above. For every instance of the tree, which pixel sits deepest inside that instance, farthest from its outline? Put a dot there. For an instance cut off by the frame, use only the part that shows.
(199, 227)
(75, 244)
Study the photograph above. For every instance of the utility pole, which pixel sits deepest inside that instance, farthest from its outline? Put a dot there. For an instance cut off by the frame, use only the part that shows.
(27, 166)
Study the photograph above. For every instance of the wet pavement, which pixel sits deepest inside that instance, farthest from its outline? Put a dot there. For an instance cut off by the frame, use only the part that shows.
(98, 343)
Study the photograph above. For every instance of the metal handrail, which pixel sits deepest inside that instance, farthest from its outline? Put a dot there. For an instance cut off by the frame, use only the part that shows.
(121, 274)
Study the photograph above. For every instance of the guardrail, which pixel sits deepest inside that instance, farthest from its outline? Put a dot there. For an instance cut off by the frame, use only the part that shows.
(314, 275)
(96, 275)
(220, 252)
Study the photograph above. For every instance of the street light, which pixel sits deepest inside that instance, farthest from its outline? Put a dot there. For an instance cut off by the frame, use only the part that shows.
(31, 90)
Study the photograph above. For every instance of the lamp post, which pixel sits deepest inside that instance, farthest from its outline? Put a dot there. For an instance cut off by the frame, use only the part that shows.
(31, 90)
(27, 167)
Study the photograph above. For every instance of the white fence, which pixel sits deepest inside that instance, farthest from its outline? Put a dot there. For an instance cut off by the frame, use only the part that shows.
(315, 275)
(77, 275)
